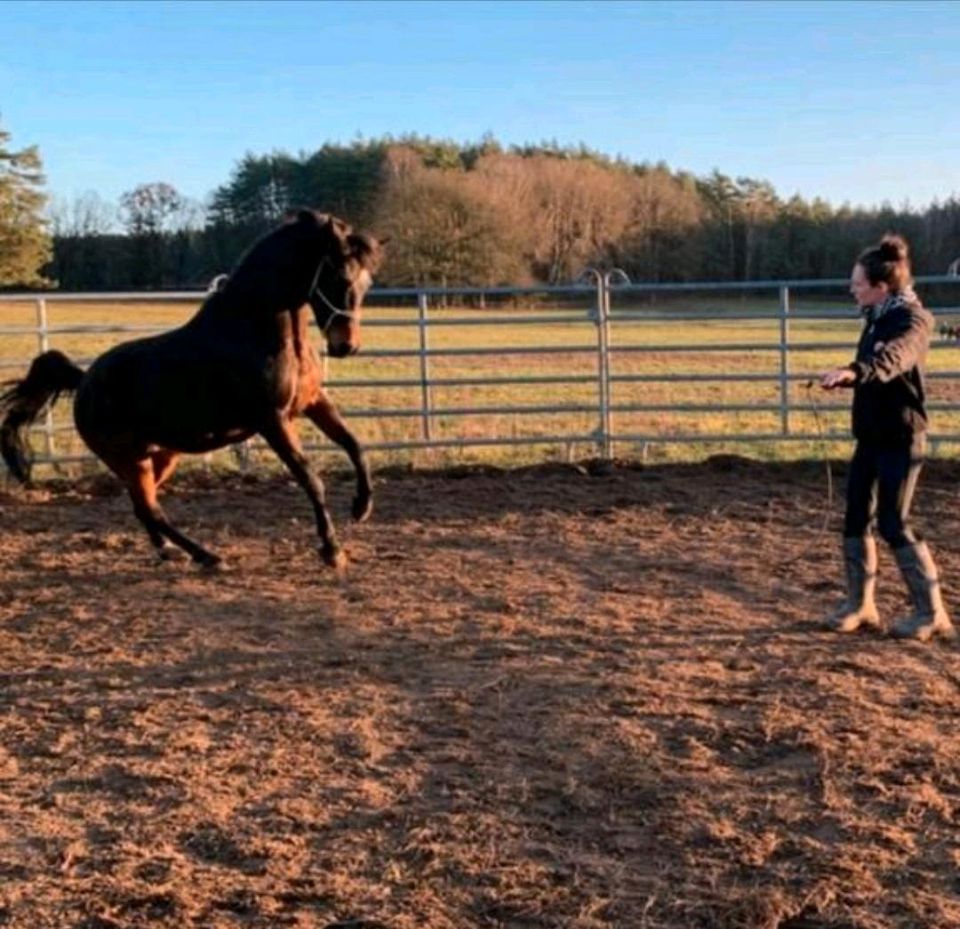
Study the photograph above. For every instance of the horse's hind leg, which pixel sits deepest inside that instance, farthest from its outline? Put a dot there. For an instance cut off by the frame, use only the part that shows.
(164, 464)
(323, 414)
(282, 438)
(140, 478)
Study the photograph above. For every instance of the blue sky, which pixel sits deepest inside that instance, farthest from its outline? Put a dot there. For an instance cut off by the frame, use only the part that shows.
(856, 102)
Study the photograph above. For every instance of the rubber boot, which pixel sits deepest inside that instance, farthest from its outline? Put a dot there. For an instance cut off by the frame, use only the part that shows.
(859, 609)
(929, 616)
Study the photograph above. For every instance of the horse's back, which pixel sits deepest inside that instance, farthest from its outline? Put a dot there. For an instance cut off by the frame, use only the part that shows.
(194, 389)
(163, 391)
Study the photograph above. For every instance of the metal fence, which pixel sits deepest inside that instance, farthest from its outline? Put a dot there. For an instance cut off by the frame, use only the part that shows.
(605, 378)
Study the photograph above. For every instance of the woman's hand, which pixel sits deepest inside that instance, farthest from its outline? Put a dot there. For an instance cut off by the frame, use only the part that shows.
(839, 377)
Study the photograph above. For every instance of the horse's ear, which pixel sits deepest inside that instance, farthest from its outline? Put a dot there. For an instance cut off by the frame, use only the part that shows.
(368, 250)
(301, 215)
(338, 232)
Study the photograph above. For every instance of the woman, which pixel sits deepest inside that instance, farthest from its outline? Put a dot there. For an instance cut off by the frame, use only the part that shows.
(889, 424)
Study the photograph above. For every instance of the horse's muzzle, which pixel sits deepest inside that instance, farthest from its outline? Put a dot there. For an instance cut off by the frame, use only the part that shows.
(342, 350)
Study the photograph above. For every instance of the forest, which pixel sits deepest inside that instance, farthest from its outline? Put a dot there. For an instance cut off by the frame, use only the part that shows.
(486, 215)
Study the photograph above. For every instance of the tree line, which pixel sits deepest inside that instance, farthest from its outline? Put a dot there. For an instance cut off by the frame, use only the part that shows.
(477, 214)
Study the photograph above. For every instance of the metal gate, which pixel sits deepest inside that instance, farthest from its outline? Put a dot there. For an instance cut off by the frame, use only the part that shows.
(613, 367)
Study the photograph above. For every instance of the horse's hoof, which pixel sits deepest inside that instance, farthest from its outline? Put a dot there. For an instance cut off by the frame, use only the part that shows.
(210, 563)
(335, 558)
(362, 508)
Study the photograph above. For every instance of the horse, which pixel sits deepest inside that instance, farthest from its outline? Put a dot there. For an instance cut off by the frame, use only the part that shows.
(243, 365)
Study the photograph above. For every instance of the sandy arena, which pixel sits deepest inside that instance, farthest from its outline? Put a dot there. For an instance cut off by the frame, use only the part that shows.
(553, 698)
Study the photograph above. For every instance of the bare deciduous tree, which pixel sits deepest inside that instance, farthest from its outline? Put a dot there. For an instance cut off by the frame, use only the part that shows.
(444, 228)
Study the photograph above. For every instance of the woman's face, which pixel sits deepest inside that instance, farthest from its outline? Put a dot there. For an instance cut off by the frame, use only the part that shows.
(865, 293)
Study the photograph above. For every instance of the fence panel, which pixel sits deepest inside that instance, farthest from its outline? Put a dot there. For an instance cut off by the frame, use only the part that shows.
(604, 366)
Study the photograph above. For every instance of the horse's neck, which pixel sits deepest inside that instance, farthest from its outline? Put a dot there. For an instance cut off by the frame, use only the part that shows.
(289, 333)
(240, 306)
(271, 329)
(300, 320)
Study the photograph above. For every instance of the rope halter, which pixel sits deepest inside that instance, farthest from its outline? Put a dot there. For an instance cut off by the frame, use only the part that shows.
(334, 311)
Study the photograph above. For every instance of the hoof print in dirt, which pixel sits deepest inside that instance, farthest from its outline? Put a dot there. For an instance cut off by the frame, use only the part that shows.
(98, 922)
(154, 871)
(151, 907)
(211, 844)
(241, 901)
(356, 924)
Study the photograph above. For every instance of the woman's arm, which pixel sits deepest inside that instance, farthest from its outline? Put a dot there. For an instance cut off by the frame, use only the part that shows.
(900, 353)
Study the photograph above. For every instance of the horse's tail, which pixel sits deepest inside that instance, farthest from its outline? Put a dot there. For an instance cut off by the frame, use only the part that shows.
(21, 404)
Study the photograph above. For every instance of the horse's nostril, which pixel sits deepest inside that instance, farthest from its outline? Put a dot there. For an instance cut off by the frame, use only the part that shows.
(342, 350)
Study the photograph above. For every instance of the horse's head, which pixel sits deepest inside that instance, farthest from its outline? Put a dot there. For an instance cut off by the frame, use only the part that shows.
(345, 263)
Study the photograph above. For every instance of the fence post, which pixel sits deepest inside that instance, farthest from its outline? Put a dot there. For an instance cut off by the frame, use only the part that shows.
(607, 282)
(784, 360)
(43, 338)
(604, 324)
(425, 404)
(598, 314)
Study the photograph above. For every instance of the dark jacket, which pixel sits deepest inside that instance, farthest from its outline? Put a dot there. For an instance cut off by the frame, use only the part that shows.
(889, 395)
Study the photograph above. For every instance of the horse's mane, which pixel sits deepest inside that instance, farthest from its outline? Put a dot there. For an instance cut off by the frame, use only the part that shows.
(217, 284)
(364, 248)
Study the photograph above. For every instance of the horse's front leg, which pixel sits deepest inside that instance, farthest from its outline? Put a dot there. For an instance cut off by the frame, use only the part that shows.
(326, 417)
(283, 439)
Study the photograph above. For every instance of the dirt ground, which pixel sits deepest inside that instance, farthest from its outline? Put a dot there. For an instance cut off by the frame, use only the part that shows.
(554, 697)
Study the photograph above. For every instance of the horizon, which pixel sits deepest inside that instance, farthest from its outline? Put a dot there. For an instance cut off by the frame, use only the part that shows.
(120, 94)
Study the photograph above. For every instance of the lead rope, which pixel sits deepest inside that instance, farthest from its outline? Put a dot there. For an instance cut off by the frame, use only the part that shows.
(815, 403)
(828, 507)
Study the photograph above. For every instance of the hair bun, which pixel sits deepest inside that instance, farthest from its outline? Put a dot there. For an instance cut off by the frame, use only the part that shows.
(893, 248)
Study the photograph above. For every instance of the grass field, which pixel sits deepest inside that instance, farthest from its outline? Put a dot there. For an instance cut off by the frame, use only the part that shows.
(565, 375)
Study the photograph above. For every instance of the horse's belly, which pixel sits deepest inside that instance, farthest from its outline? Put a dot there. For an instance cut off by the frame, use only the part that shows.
(133, 421)
(199, 443)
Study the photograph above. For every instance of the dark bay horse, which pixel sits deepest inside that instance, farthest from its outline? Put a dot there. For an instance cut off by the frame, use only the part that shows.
(242, 366)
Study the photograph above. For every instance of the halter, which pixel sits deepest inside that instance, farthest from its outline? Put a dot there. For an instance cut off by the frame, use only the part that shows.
(334, 311)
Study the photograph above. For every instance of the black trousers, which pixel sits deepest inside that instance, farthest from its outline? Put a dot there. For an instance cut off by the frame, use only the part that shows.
(880, 490)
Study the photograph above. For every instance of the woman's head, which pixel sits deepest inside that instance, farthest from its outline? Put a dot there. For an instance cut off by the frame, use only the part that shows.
(881, 270)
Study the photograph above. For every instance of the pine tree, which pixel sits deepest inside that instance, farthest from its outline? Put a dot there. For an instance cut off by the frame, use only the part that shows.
(25, 245)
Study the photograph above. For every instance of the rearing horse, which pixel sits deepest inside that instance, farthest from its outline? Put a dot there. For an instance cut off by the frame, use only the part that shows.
(242, 366)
